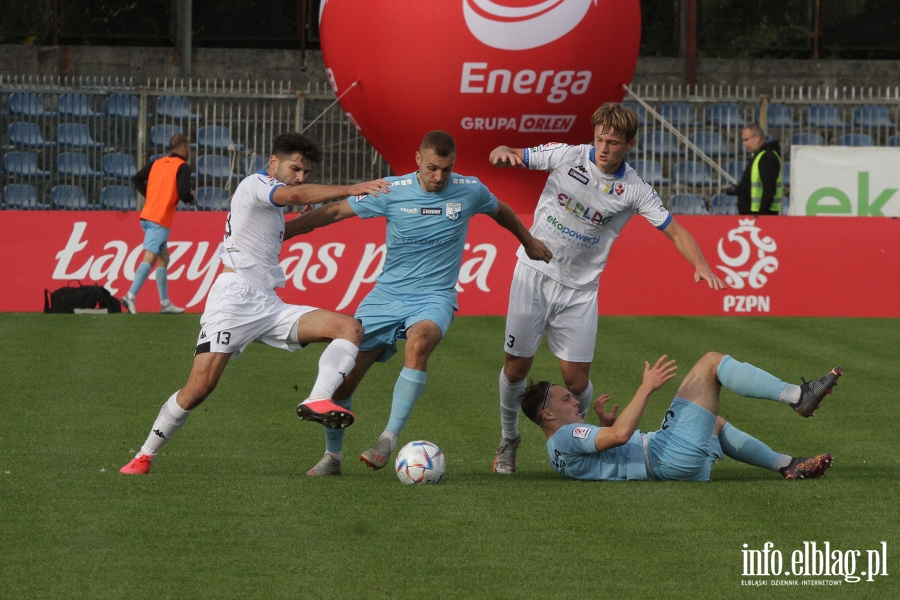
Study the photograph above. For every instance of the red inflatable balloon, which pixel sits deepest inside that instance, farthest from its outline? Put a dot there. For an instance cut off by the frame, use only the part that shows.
(489, 72)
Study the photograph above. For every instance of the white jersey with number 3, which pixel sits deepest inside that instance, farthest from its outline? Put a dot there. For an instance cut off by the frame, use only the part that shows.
(582, 211)
(254, 232)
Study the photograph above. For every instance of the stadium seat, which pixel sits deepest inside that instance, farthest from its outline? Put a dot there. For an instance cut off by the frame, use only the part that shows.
(22, 164)
(27, 135)
(122, 106)
(724, 115)
(71, 197)
(17, 196)
(118, 165)
(807, 139)
(118, 197)
(162, 133)
(824, 116)
(76, 105)
(76, 135)
(785, 174)
(691, 172)
(785, 205)
(874, 116)
(894, 140)
(650, 171)
(216, 137)
(28, 104)
(735, 168)
(660, 143)
(175, 107)
(687, 204)
(856, 139)
(75, 164)
(255, 163)
(723, 204)
(678, 113)
(211, 198)
(778, 115)
(711, 143)
(214, 166)
(639, 109)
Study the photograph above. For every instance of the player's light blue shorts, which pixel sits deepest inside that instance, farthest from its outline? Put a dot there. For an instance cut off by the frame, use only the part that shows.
(684, 447)
(155, 236)
(386, 317)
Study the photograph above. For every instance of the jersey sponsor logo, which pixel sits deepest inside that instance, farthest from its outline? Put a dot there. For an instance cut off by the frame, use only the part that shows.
(410, 211)
(595, 217)
(574, 234)
(523, 27)
(579, 176)
(620, 188)
(432, 211)
(478, 78)
(547, 147)
(453, 210)
(581, 432)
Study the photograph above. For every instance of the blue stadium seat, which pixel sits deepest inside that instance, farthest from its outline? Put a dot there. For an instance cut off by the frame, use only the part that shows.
(28, 104)
(678, 113)
(824, 116)
(71, 197)
(22, 164)
(785, 174)
(778, 115)
(874, 116)
(650, 171)
(807, 139)
(76, 135)
(687, 204)
(723, 204)
(27, 135)
(118, 197)
(856, 139)
(17, 196)
(76, 105)
(211, 198)
(735, 168)
(216, 137)
(660, 143)
(122, 106)
(214, 166)
(724, 115)
(75, 164)
(175, 107)
(894, 140)
(712, 143)
(639, 109)
(255, 163)
(691, 172)
(118, 165)
(162, 133)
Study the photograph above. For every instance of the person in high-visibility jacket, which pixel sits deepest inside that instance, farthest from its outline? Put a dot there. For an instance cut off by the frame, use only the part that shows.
(760, 191)
(163, 183)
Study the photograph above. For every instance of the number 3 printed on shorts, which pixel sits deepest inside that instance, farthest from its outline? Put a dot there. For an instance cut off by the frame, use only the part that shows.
(223, 337)
(511, 342)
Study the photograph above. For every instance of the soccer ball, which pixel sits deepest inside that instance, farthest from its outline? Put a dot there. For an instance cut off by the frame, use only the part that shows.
(420, 462)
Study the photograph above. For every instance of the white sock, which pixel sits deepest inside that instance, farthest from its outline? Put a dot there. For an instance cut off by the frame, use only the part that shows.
(509, 406)
(335, 364)
(790, 394)
(585, 398)
(389, 435)
(170, 419)
(338, 456)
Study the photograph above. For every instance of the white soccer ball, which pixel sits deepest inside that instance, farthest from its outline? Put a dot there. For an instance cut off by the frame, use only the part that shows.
(420, 462)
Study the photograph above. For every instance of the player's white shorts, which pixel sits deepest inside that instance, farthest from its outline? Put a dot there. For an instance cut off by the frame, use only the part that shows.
(539, 306)
(239, 312)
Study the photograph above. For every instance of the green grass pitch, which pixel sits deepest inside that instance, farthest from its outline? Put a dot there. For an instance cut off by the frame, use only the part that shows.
(228, 513)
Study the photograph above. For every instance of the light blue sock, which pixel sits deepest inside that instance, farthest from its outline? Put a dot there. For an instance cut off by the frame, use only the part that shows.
(747, 449)
(407, 390)
(747, 380)
(334, 438)
(162, 284)
(140, 276)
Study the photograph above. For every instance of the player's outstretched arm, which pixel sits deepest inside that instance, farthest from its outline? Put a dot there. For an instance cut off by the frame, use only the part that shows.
(689, 249)
(318, 217)
(534, 248)
(627, 422)
(504, 156)
(314, 193)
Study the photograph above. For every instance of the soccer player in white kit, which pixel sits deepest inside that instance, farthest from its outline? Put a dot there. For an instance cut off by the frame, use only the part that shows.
(242, 306)
(589, 196)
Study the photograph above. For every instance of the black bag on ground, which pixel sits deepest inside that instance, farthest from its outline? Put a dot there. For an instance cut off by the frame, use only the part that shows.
(67, 299)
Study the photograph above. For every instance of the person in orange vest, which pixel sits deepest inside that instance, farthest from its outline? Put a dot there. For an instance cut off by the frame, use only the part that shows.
(163, 183)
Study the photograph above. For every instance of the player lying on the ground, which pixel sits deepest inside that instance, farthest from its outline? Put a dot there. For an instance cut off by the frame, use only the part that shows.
(691, 437)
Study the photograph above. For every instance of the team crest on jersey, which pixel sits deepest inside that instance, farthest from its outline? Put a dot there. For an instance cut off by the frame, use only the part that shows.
(453, 210)
(432, 211)
(620, 188)
(578, 176)
(581, 432)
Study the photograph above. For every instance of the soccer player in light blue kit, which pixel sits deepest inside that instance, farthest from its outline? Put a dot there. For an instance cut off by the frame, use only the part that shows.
(692, 435)
(414, 297)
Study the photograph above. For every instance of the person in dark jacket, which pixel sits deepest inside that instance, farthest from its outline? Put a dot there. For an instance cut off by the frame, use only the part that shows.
(760, 191)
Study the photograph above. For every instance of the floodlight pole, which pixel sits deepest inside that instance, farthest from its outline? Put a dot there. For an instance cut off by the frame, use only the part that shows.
(185, 29)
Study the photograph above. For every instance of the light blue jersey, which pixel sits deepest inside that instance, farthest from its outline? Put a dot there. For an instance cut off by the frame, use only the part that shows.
(573, 454)
(426, 233)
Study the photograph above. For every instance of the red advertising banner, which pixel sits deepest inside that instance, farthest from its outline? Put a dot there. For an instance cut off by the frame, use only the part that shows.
(785, 266)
